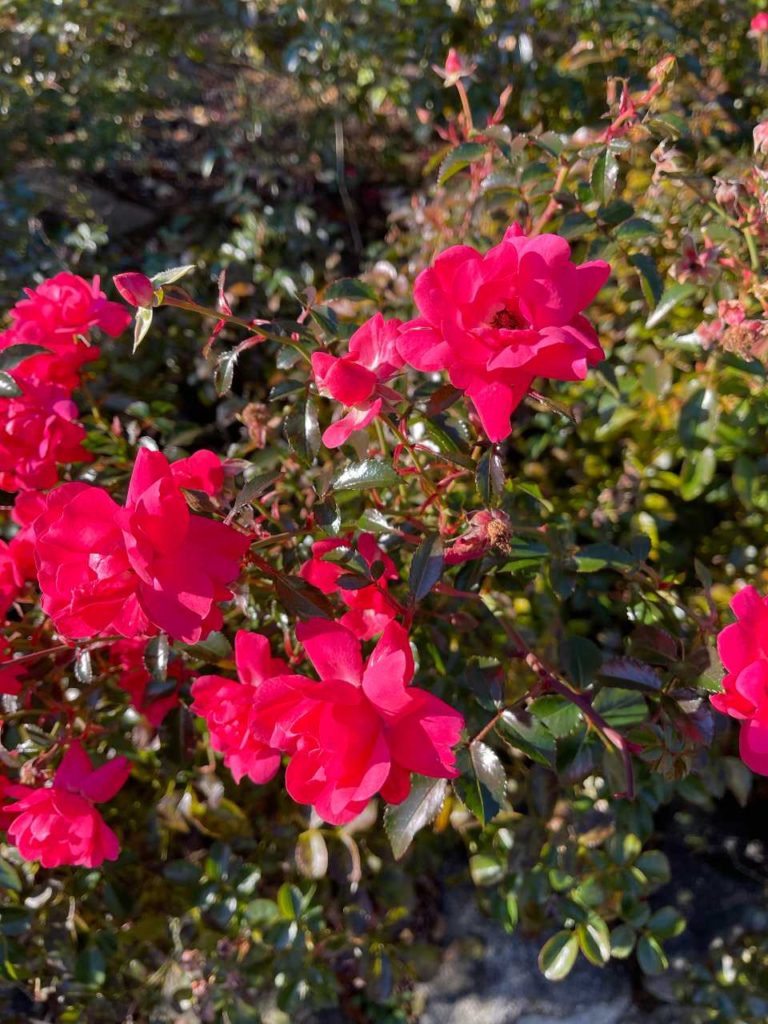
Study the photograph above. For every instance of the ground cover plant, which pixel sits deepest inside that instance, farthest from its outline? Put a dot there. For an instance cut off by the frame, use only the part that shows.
(345, 557)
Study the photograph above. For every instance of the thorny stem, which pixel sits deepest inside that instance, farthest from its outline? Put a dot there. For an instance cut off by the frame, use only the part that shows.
(609, 735)
(57, 649)
(552, 206)
(236, 321)
(584, 704)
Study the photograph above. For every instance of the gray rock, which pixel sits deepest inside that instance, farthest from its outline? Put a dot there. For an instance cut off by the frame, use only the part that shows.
(490, 977)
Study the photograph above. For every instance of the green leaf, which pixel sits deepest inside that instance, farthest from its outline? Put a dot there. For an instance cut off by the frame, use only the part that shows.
(426, 566)
(594, 557)
(458, 159)
(632, 673)
(214, 648)
(594, 940)
(349, 288)
(485, 869)
(141, 325)
(576, 224)
(697, 473)
(251, 490)
(605, 174)
(302, 431)
(738, 778)
(581, 659)
(622, 941)
(669, 126)
(634, 229)
(558, 955)
(666, 923)
(285, 387)
(483, 782)
(326, 319)
(420, 807)
(529, 736)
(13, 355)
(8, 386)
(172, 275)
(672, 297)
(650, 279)
(360, 476)
(489, 476)
(651, 956)
(290, 902)
(300, 598)
(9, 876)
(621, 708)
(512, 908)
(91, 967)
(156, 655)
(655, 866)
(558, 714)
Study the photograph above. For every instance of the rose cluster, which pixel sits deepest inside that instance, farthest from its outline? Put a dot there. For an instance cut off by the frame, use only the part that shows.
(150, 564)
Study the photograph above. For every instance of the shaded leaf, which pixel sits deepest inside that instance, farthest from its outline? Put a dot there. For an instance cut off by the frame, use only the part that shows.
(672, 297)
(13, 355)
(8, 386)
(360, 476)
(605, 174)
(632, 673)
(426, 566)
(558, 955)
(419, 808)
(349, 288)
(302, 431)
(458, 159)
(483, 782)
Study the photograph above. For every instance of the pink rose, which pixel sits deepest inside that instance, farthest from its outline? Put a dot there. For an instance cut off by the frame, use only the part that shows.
(148, 566)
(498, 321)
(66, 307)
(11, 580)
(228, 707)
(356, 379)
(361, 730)
(38, 431)
(60, 825)
(743, 648)
(369, 607)
(759, 23)
(26, 508)
(364, 729)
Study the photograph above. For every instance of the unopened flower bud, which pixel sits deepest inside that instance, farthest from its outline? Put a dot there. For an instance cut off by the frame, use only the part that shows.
(453, 64)
(135, 288)
(454, 68)
(665, 70)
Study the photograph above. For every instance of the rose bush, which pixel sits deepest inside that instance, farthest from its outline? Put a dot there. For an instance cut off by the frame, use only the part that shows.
(473, 615)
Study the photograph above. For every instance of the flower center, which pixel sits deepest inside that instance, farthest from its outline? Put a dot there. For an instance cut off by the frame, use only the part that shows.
(507, 320)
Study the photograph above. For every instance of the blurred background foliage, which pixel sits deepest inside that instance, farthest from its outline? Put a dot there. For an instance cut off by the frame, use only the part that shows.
(294, 144)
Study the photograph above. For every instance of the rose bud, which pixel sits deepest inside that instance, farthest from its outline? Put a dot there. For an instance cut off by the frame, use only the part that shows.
(135, 288)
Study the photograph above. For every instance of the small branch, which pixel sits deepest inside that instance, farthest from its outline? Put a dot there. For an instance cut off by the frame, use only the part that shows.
(609, 735)
(487, 728)
(341, 181)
